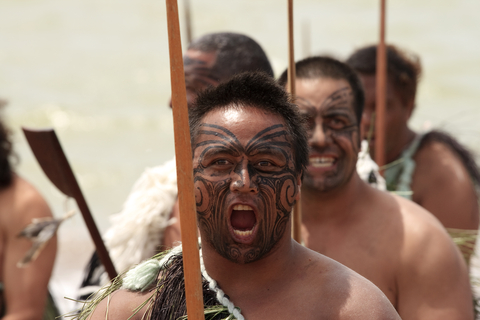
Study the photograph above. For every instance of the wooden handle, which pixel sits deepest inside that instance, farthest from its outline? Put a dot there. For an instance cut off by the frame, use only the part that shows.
(49, 154)
(183, 153)
(297, 213)
(381, 89)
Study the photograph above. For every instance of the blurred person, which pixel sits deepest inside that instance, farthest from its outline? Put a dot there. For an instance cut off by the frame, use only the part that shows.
(249, 151)
(149, 221)
(432, 168)
(23, 290)
(391, 241)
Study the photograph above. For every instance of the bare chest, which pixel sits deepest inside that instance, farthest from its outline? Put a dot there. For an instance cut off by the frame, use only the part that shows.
(371, 256)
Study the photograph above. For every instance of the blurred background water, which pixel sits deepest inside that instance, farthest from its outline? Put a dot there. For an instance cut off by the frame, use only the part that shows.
(97, 71)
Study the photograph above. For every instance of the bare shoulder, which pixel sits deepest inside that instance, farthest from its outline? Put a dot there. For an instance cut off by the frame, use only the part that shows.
(436, 162)
(121, 304)
(21, 202)
(441, 183)
(421, 229)
(433, 277)
(345, 294)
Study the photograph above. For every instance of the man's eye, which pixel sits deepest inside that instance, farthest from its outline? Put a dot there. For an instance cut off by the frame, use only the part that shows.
(336, 123)
(264, 164)
(221, 162)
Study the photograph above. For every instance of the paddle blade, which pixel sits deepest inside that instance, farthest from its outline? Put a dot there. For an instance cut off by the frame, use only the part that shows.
(48, 151)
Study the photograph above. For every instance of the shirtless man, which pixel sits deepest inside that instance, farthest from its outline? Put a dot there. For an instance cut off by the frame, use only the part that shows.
(144, 227)
(249, 152)
(24, 291)
(391, 241)
(438, 172)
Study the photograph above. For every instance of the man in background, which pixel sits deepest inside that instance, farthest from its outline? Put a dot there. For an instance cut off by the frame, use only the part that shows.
(432, 169)
(23, 289)
(149, 220)
(389, 240)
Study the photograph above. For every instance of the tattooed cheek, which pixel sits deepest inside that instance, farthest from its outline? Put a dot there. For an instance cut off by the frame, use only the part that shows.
(201, 197)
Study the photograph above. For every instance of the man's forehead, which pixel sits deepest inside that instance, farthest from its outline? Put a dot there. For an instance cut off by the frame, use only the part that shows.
(242, 122)
(193, 57)
(324, 93)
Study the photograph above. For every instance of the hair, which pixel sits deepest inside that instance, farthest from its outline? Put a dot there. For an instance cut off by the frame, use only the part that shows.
(6, 152)
(260, 91)
(326, 67)
(235, 53)
(403, 68)
(170, 299)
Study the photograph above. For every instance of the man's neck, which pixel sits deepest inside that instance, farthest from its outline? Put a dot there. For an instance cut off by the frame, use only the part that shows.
(239, 279)
(331, 206)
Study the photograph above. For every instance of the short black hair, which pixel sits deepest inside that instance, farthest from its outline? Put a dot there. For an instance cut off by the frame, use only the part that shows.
(6, 152)
(258, 90)
(326, 67)
(403, 68)
(235, 53)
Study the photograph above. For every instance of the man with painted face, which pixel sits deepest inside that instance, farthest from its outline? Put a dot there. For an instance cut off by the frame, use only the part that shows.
(391, 241)
(249, 152)
(148, 222)
(431, 168)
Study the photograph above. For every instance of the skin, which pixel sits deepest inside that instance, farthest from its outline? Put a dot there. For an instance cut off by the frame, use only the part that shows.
(440, 182)
(287, 281)
(25, 288)
(391, 241)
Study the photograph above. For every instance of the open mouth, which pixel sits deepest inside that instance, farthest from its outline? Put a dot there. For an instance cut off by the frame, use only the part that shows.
(322, 162)
(243, 222)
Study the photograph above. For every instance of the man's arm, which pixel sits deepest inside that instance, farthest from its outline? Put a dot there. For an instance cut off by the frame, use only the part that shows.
(442, 185)
(25, 288)
(433, 280)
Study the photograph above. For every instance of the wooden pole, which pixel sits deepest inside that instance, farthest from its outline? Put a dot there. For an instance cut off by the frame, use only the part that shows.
(381, 88)
(183, 154)
(297, 212)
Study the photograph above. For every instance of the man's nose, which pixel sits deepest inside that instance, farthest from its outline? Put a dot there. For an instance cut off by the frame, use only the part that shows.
(319, 137)
(242, 181)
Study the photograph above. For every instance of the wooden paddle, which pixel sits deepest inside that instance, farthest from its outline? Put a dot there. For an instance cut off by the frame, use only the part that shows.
(183, 154)
(49, 153)
(297, 211)
(381, 89)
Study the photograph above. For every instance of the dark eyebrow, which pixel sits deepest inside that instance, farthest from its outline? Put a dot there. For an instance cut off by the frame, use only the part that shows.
(214, 151)
(269, 150)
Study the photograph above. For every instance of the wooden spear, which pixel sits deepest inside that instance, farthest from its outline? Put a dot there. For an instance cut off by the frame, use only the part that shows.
(381, 88)
(49, 154)
(297, 212)
(183, 154)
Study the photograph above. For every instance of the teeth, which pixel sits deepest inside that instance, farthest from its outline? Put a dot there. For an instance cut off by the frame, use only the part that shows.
(321, 162)
(242, 207)
(243, 233)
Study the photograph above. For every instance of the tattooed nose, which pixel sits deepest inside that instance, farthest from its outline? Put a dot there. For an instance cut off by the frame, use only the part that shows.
(243, 183)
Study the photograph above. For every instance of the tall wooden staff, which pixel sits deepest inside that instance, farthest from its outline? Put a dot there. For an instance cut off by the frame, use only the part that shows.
(183, 154)
(297, 213)
(381, 88)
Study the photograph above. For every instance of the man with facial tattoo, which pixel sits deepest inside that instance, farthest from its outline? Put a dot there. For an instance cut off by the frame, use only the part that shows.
(249, 153)
(149, 219)
(391, 241)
